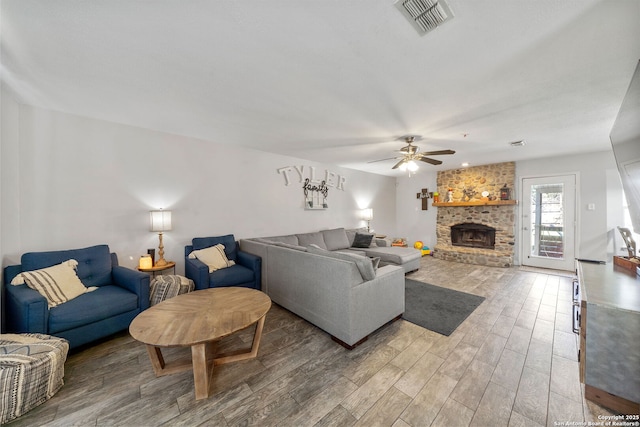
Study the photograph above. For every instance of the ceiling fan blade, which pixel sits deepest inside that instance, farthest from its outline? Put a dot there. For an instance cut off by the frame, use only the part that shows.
(439, 152)
(381, 160)
(397, 165)
(432, 161)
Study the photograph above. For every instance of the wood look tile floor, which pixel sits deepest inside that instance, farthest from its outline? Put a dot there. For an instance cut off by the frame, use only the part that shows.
(513, 362)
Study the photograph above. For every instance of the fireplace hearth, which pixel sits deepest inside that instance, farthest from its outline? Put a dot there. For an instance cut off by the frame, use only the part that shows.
(473, 235)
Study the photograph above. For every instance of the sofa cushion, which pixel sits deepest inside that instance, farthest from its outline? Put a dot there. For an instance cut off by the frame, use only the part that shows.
(291, 239)
(228, 241)
(94, 263)
(364, 264)
(394, 254)
(307, 239)
(288, 246)
(362, 240)
(58, 284)
(278, 243)
(335, 239)
(214, 257)
(234, 275)
(104, 302)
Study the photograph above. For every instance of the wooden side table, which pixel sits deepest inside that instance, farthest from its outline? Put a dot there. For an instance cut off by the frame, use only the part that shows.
(158, 269)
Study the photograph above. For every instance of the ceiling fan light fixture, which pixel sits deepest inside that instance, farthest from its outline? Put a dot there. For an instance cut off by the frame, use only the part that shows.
(412, 166)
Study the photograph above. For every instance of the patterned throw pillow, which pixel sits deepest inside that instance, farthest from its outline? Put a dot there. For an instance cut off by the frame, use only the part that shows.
(213, 256)
(58, 284)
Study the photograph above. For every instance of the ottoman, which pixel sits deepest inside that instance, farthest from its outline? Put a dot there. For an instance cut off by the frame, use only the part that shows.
(31, 371)
(168, 286)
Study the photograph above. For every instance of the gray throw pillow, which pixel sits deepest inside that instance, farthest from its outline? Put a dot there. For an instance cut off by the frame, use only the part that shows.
(375, 261)
(335, 239)
(363, 263)
(362, 240)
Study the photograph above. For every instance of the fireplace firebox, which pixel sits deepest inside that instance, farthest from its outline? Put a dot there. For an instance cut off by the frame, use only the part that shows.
(473, 235)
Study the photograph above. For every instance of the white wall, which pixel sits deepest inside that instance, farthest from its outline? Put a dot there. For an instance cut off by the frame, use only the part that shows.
(413, 223)
(9, 188)
(74, 182)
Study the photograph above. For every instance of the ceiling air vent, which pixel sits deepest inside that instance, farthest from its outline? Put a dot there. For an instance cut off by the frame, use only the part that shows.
(425, 15)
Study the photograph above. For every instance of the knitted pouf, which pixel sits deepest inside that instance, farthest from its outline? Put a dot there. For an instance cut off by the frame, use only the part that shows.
(168, 286)
(31, 371)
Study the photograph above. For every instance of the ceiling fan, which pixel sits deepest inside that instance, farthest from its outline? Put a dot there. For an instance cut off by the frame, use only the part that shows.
(411, 154)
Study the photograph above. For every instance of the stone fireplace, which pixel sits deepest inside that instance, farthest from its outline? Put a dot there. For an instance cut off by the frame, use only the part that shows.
(473, 235)
(476, 228)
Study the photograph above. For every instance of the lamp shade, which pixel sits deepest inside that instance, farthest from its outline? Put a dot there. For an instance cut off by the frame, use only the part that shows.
(367, 214)
(160, 220)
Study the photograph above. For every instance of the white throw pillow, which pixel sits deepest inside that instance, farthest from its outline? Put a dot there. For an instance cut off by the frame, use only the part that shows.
(213, 256)
(58, 284)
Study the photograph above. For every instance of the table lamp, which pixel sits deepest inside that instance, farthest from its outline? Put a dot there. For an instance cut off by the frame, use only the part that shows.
(145, 262)
(367, 215)
(160, 222)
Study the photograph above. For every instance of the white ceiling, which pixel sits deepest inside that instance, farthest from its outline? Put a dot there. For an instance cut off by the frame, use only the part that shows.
(333, 81)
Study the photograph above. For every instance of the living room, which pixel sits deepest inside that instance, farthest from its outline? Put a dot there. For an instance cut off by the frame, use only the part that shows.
(84, 162)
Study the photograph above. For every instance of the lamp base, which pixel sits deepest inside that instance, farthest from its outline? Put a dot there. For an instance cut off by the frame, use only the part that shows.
(161, 262)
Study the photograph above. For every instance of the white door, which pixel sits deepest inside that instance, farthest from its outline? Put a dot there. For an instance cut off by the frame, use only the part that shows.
(548, 222)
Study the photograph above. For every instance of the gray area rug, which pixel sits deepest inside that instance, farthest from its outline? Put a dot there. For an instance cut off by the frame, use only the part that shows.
(435, 308)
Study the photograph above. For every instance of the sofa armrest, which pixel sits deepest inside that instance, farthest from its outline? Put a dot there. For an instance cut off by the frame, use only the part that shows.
(377, 301)
(382, 242)
(134, 281)
(197, 271)
(27, 310)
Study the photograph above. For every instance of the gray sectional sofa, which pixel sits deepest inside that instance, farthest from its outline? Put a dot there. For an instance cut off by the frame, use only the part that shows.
(348, 292)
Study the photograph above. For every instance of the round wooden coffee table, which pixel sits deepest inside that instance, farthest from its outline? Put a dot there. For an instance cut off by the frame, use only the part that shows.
(196, 319)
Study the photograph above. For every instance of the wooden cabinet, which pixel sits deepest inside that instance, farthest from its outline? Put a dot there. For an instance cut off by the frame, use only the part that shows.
(610, 336)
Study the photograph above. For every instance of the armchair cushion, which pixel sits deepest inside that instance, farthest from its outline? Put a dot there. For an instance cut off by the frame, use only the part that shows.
(231, 276)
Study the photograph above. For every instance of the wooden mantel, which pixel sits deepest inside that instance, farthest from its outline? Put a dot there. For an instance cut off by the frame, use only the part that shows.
(478, 203)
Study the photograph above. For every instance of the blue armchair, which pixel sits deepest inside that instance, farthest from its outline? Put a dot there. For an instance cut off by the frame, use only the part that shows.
(122, 293)
(246, 272)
